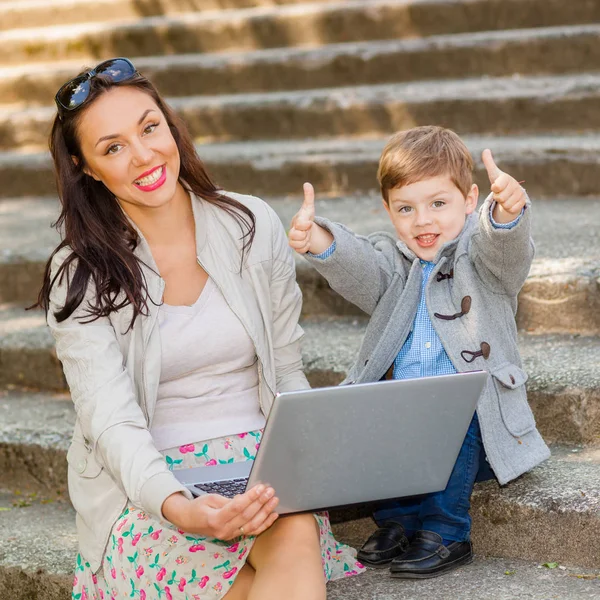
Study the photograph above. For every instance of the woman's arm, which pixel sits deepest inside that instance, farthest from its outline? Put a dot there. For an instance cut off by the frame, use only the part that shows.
(286, 304)
(111, 419)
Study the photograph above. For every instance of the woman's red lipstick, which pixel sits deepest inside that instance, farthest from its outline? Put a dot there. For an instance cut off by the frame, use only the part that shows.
(152, 186)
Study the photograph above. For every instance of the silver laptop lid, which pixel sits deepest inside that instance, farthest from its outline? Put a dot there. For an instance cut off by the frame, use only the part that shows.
(348, 444)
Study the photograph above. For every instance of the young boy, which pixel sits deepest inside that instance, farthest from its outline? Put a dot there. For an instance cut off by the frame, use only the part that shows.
(442, 299)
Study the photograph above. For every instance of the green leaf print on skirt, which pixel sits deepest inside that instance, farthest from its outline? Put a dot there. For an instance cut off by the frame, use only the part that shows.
(148, 559)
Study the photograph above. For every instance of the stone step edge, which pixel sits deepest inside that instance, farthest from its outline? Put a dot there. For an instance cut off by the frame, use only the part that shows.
(16, 13)
(253, 13)
(294, 54)
(358, 110)
(551, 302)
(525, 87)
(549, 514)
(248, 71)
(549, 166)
(43, 568)
(324, 23)
(565, 400)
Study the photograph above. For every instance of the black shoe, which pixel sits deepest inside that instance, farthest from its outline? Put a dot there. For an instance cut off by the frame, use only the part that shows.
(385, 544)
(428, 557)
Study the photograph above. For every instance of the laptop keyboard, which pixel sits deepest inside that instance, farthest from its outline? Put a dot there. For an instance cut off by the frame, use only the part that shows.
(228, 488)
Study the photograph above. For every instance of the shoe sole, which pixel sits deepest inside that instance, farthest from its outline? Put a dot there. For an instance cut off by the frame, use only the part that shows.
(438, 573)
(372, 565)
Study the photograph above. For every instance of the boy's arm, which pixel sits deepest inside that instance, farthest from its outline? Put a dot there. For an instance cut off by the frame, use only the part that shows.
(502, 249)
(358, 268)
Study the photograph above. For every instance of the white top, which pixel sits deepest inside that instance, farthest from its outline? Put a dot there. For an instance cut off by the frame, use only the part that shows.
(209, 374)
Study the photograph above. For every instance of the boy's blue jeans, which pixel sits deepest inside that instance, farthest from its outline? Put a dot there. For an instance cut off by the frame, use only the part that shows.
(445, 513)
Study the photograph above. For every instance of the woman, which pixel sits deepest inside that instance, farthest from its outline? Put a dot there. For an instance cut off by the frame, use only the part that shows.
(175, 312)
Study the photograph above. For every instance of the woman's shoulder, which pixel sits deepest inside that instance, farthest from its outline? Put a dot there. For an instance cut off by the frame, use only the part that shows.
(266, 221)
(259, 207)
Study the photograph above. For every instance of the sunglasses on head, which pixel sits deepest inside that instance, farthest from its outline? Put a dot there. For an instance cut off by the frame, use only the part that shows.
(74, 93)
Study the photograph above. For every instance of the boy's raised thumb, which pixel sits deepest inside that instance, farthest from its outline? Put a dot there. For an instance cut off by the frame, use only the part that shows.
(308, 206)
(490, 166)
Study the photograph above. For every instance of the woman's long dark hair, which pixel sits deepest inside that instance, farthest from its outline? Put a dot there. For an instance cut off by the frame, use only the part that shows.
(94, 227)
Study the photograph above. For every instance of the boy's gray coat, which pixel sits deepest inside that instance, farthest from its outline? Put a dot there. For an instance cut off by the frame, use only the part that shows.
(380, 275)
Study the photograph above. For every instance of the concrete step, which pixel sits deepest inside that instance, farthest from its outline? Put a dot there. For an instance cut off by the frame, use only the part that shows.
(552, 511)
(551, 165)
(504, 105)
(563, 386)
(561, 294)
(549, 514)
(552, 50)
(312, 24)
(21, 14)
(423, 16)
(33, 450)
(41, 567)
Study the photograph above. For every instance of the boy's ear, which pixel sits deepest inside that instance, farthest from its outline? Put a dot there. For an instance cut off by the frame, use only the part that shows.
(386, 205)
(471, 199)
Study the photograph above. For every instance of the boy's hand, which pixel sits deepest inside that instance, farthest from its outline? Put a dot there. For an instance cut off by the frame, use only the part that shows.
(303, 221)
(509, 195)
(305, 235)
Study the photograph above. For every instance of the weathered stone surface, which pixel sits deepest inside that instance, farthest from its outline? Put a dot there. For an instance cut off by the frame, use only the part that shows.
(276, 26)
(553, 50)
(27, 356)
(40, 566)
(504, 105)
(17, 14)
(561, 294)
(552, 166)
(563, 385)
(550, 514)
(38, 545)
(35, 431)
(563, 389)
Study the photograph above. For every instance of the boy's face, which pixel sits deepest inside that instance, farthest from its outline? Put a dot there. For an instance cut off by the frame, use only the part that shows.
(428, 213)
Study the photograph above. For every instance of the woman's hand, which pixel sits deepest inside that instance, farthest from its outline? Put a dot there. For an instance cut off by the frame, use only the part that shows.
(212, 515)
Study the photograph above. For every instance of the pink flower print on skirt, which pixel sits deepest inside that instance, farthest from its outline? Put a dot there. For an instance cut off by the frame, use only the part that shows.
(148, 559)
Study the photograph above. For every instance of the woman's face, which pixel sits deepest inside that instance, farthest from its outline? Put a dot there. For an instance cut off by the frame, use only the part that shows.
(127, 145)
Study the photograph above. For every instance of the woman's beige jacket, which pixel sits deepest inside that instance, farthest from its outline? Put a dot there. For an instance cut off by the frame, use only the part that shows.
(113, 372)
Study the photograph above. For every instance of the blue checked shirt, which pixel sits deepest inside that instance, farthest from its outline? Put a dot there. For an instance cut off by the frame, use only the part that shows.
(422, 354)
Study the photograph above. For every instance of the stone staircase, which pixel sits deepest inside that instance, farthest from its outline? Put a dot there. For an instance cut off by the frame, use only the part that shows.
(278, 92)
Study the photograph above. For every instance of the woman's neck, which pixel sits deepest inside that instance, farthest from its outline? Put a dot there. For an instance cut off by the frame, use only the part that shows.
(167, 224)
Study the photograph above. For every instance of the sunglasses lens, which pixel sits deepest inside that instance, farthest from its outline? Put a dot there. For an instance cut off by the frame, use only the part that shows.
(74, 93)
(117, 69)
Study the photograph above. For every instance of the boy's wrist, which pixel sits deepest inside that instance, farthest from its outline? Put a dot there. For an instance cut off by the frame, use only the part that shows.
(502, 216)
(320, 239)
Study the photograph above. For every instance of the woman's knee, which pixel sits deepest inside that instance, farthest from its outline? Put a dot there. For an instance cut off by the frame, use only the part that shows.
(298, 529)
(293, 536)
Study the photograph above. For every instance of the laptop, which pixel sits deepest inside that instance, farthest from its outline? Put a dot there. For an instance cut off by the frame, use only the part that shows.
(342, 445)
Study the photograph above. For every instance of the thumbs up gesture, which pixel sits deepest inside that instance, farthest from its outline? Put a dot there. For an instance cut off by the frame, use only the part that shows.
(302, 224)
(509, 195)
(305, 235)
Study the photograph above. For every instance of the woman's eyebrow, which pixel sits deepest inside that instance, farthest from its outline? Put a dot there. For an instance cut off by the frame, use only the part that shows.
(112, 136)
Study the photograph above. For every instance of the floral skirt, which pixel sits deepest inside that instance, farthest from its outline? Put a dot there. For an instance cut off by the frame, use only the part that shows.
(149, 559)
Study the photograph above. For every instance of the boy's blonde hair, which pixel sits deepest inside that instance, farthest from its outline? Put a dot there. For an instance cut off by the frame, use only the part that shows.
(424, 152)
